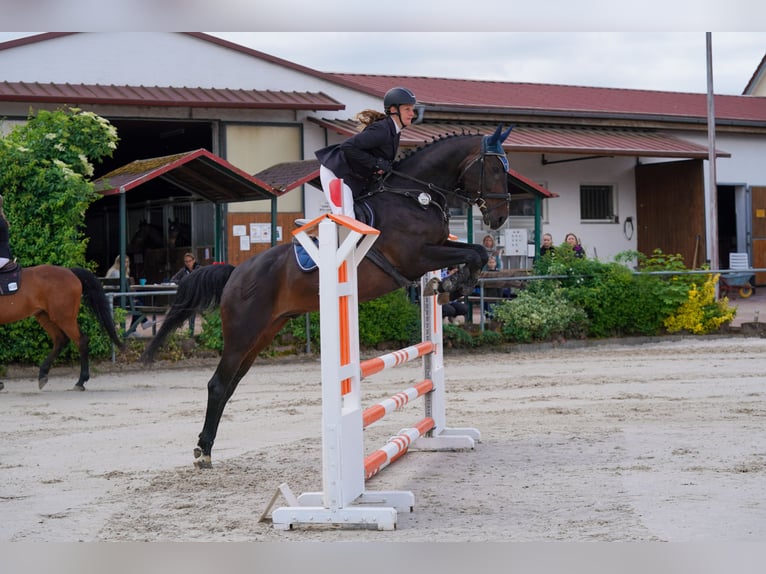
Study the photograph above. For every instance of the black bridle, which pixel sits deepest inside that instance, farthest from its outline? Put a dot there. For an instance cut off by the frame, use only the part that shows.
(423, 197)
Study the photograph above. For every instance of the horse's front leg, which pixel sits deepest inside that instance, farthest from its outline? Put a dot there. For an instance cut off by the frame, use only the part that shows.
(464, 280)
(467, 257)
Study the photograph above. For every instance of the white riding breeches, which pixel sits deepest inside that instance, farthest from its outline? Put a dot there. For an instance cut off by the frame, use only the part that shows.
(326, 176)
(4, 261)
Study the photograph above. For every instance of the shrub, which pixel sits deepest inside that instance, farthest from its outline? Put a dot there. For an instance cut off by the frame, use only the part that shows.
(456, 337)
(539, 314)
(701, 313)
(391, 318)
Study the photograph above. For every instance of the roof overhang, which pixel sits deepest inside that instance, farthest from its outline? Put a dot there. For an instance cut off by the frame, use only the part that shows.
(165, 96)
(552, 140)
(197, 174)
(289, 175)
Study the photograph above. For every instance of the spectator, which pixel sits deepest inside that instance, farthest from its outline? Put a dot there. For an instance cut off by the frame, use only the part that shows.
(114, 271)
(489, 244)
(572, 239)
(547, 246)
(190, 264)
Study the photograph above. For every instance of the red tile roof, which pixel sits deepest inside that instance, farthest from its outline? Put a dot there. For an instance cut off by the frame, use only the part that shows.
(549, 99)
(166, 96)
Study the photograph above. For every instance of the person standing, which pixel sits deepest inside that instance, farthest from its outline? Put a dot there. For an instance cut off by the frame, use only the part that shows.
(578, 249)
(5, 240)
(368, 155)
(547, 245)
(493, 251)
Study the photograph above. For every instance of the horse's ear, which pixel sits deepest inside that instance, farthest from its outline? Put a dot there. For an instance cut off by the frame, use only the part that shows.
(494, 139)
(499, 136)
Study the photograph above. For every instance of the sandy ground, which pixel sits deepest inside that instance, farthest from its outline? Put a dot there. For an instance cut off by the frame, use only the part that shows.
(662, 440)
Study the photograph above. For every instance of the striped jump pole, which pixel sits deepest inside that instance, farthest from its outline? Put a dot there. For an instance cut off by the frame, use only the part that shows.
(344, 500)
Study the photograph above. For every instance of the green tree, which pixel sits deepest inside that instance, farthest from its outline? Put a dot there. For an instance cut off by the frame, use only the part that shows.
(45, 170)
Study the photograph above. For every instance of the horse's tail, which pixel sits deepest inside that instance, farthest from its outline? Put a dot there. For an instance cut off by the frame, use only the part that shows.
(198, 291)
(95, 299)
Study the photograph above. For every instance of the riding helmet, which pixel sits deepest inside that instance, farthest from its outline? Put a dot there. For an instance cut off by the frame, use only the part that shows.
(398, 97)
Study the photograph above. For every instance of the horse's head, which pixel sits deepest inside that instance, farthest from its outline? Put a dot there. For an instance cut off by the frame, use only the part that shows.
(484, 178)
(178, 235)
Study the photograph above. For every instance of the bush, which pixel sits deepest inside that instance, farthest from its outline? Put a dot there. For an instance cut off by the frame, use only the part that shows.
(701, 314)
(391, 318)
(456, 337)
(539, 314)
(615, 300)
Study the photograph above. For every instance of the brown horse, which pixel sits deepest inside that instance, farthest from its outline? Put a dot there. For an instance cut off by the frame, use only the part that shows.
(52, 295)
(411, 210)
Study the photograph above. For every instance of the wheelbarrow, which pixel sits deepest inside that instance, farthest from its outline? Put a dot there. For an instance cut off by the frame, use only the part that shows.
(739, 282)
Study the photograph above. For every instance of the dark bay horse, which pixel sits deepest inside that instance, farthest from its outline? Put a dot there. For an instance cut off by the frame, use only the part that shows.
(147, 236)
(411, 211)
(53, 295)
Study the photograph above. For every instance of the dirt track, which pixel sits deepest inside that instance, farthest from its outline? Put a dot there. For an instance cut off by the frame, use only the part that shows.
(658, 441)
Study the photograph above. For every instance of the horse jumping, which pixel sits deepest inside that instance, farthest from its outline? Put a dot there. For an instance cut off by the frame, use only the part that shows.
(410, 207)
(53, 296)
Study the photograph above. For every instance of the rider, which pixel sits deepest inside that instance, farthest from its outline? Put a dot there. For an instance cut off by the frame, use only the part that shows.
(5, 244)
(370, 153)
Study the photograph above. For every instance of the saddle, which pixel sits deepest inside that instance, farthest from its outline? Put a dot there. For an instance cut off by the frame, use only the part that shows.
(10, 278)
(363, 213)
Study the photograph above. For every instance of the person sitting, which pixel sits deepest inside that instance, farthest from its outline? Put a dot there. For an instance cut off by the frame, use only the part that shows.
(114, 273)
(578, 249)
(5, 243)
(368, 155)
(455, 312)
(190, 264)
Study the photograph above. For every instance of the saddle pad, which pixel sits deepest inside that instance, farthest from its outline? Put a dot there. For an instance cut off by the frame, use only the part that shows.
(304, 260)
(10, 280)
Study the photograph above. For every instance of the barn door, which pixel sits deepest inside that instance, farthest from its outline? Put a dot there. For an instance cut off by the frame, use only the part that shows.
(758, 199)
(670, 209)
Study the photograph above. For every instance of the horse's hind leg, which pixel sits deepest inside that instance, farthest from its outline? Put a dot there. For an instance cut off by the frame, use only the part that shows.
(84, 363)
(234, 364)
(218, 394)
(59, 342)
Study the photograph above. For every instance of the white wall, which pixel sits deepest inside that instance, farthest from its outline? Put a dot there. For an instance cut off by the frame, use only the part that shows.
(604, 240)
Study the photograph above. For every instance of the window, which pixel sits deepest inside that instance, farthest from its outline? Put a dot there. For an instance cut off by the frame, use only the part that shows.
(597, 203)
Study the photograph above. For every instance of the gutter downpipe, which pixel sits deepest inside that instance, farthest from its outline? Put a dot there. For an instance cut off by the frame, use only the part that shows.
(711, 189)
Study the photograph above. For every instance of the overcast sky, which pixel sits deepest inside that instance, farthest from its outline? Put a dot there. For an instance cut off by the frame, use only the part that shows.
(670, 61)
(639, 60)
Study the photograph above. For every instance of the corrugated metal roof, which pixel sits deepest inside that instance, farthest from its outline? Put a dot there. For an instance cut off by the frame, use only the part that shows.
(289, 175)
(545, 99)
(568, 140)
(199, 173)
(166, 96)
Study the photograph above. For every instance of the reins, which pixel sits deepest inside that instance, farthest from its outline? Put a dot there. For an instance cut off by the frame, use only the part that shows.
(424, 199)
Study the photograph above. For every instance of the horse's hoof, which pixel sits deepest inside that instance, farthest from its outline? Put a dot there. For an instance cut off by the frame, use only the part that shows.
(78, 387)
(2, 385)
(203, 462)
(41, 383)
(432, 287)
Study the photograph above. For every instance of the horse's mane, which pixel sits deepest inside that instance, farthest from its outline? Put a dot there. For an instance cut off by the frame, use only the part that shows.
(436, 139)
